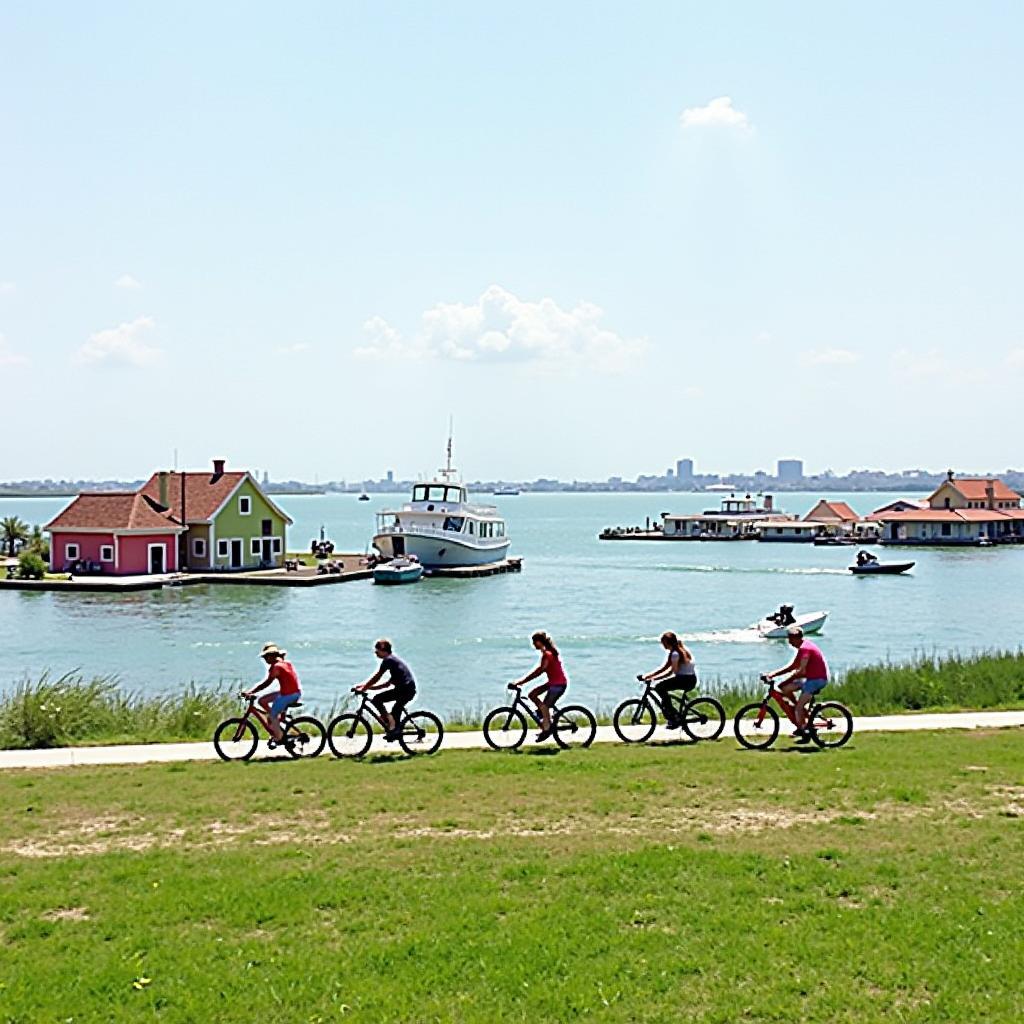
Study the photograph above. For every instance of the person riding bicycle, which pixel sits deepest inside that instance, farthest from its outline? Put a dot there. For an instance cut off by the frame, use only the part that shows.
(808, 674)
(401, 692)
(551, 666)
(289, 689)
(678, 673)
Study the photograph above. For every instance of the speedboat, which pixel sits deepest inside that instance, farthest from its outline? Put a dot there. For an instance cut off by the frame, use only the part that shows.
(504, 492)
(398, 570)
(881, 568)
(811, 622)
(441, 527)
(364, 496)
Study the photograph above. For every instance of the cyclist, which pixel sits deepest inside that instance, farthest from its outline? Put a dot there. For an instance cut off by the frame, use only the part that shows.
(401, 692)
(289, 689)
(678, 673)
(551, 666)
(808, 673)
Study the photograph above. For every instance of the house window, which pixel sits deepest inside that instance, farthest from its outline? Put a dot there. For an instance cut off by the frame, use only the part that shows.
(277, 546)
(106, 552)
(199, 547)
(71, 552)
(946, 531)
(222, 549)
(254, 546)
(245, 505)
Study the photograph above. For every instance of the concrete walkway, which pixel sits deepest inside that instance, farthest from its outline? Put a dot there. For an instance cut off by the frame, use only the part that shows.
(66, 757)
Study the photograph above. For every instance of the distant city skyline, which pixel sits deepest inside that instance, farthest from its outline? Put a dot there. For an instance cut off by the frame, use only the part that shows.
(597, 236)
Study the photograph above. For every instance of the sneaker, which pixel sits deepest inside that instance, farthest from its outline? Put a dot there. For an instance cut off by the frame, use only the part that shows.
(391, 735)
(543, 735)
(673, 723)
(796, 733)
(805, 737)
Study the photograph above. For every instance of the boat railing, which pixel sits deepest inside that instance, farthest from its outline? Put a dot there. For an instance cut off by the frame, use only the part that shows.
(437, 531)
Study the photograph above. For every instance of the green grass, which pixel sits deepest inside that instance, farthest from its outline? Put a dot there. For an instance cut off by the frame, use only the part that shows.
(879, 883)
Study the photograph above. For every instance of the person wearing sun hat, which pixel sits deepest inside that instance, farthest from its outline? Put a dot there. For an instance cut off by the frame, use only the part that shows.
(289, 690)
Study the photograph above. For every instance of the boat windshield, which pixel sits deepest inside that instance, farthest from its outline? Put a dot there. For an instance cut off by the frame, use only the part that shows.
(438, 492)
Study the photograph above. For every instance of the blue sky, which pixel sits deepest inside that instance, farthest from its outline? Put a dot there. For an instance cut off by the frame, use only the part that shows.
(600, 239)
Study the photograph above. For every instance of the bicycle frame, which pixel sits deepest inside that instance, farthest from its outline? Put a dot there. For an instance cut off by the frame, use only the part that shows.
(787, 704)
(653, 698)
(367, 709)
(255, 711)
(521, 702)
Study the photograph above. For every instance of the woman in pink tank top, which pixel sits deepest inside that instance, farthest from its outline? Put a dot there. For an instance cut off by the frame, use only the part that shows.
(550, 666)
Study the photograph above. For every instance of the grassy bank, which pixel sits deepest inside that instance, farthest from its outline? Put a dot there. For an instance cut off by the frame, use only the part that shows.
(74, 710)
(614, 884)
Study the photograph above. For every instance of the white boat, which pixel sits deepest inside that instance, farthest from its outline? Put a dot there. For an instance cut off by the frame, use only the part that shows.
(501, 492)
(441, 527)
(811, 622)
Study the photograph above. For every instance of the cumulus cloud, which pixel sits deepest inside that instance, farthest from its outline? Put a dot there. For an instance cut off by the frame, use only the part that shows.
(502, 328)
(127, 281)
(120, 346)
(719, 112)
(829, 357)
(9, 358)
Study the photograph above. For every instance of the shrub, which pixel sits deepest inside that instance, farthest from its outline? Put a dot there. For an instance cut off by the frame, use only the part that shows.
(31, 566)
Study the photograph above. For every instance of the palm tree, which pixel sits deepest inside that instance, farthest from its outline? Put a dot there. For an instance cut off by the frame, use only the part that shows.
(14, 531)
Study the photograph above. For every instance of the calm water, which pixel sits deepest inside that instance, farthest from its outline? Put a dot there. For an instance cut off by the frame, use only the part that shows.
(604, 602)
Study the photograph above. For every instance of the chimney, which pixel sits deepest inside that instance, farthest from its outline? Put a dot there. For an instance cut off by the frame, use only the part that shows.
(769, 504)
(990, 493)
(162, 477)
(218, 468)
(949, 476)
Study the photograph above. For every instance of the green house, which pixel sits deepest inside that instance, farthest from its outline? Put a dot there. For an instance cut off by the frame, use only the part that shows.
(231, 523)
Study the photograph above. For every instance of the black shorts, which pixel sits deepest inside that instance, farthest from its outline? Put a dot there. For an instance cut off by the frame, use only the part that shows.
(401, 695)
(685, 683)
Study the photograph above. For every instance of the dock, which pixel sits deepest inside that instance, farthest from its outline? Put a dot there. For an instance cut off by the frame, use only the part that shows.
(466, 572)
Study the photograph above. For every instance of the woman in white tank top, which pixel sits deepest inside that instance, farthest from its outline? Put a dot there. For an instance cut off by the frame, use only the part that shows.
(677, 673)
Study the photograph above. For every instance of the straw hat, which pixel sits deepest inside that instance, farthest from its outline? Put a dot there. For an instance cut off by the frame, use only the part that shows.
(271, 649)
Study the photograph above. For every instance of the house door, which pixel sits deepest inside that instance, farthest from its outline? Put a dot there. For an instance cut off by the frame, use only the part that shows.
(267, 550)
(236, 554)
(156, 558)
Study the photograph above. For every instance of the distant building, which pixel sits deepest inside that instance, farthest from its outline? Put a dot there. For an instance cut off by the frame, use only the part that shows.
(790, 470)
(391, 476)
(669, 473)
(684, 470)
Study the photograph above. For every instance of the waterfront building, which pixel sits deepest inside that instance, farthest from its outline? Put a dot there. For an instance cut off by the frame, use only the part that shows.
(736, 519)
(790, 470)
(832, 513)
(211, 520)
(684, 471)
(968, 510)
(115, 533)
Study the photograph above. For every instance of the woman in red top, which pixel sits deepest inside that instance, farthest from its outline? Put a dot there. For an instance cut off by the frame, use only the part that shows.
(551, 666)
(289, 692)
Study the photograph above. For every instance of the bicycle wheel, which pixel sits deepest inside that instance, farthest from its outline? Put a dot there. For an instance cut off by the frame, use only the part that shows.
(349, 736)
(505, 729)
(831, 724)
(703, 719)
(305, 736)
(634, 721)
(573, 726)
(756, 726)
(421, 733)
(236, 739)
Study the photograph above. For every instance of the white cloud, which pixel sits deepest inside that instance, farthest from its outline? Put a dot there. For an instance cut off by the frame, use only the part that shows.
(1015, 358)
(127, 281)
(500, 327)
(719, 112)
(293, 350)
(829, 357)
(120, 346)
(9, 358)
(8, 287)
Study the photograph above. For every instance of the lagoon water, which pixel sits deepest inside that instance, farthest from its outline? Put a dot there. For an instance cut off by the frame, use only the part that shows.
(605, 603)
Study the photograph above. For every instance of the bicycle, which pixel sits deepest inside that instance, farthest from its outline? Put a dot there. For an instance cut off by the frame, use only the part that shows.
(830, 723)
(702, 718)
(351, 734)
(236, 739)
(505, 727)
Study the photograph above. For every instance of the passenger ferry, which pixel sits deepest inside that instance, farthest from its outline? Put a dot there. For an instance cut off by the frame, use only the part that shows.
(440, 527)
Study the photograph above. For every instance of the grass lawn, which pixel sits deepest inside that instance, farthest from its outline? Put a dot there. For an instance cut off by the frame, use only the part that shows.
(666, 883)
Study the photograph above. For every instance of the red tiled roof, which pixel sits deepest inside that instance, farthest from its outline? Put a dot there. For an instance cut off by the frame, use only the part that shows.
(974, 488)
(945, 515)
(113, 510)
(838, 509)
(204, 492)
(888, 510)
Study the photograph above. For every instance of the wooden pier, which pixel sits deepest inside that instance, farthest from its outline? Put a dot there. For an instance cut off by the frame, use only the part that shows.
(465, 572)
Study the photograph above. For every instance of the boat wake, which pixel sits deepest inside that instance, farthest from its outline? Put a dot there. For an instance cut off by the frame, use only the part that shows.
(766, 571)
(750, 635)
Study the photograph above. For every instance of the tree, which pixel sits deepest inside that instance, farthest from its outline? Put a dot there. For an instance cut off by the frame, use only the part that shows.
(14, 531)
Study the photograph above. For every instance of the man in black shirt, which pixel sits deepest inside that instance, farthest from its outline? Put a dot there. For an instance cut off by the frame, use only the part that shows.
(401, 683)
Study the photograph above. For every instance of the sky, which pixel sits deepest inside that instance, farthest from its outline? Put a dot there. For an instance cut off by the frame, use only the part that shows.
(303, 237)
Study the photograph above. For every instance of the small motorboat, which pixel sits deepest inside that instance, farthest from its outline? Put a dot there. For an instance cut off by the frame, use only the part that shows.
(881, 568)
(835, 542)
(364, 496)
(771, 629)
(398, 570)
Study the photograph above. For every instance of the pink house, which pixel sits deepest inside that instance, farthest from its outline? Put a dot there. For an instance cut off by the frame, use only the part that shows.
(116, 533)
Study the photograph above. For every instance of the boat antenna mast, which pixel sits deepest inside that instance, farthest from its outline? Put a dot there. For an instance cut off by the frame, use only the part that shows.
(449, 471)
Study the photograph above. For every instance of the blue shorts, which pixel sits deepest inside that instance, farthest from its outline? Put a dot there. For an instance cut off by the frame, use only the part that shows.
(283, 701)
(813, 686)
(552, 693)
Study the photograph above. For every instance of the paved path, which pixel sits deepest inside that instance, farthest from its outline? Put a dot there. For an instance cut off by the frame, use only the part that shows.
(65, 757)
